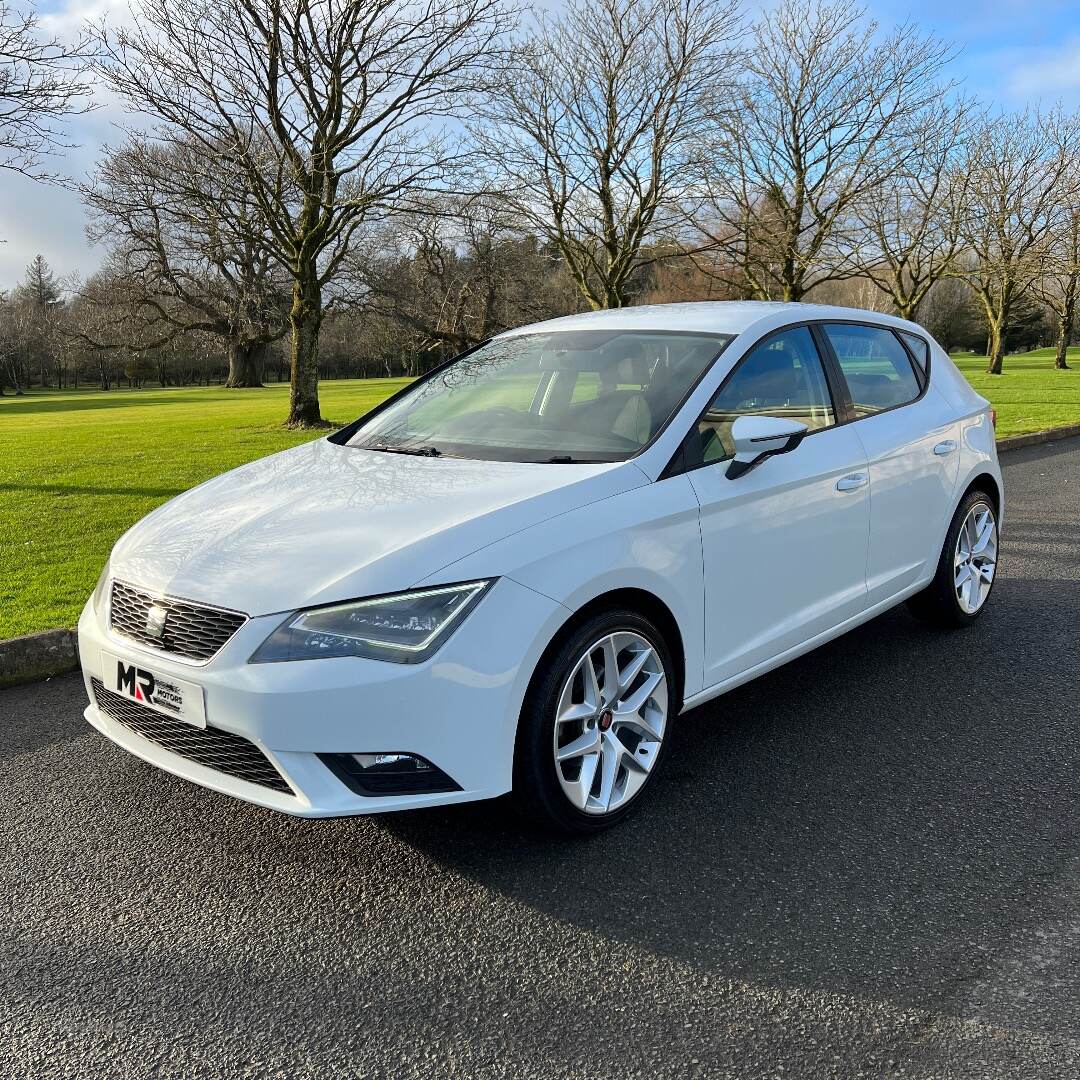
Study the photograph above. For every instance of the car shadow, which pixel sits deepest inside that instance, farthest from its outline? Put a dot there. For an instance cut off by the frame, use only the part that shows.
(881, 818)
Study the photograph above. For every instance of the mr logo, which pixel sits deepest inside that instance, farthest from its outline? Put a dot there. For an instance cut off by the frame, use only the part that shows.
(134, 681)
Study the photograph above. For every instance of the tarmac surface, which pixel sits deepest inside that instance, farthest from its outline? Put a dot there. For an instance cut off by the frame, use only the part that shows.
(865, 864)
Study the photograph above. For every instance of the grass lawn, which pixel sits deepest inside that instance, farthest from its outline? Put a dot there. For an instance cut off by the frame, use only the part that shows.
(78, 467)
(1031, 395)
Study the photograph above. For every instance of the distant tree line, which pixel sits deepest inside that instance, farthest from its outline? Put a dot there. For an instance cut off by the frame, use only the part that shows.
(320, 188)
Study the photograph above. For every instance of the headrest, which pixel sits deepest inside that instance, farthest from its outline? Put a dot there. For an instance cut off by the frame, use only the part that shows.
(775, 359)
(634, 369)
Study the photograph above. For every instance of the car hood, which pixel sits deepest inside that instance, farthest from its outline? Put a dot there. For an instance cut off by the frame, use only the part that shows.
(324, 522)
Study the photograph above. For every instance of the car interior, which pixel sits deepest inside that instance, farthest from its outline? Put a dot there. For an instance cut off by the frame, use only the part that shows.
(614, 396)
(782, 377)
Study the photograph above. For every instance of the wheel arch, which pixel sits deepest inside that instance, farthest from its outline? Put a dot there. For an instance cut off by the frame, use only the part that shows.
(987, 483)
(640, 600)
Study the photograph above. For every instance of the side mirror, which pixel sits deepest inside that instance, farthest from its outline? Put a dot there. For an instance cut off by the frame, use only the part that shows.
(759, 437)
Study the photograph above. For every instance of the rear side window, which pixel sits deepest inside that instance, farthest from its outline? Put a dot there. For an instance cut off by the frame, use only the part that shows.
(876, 367)
(919, 349)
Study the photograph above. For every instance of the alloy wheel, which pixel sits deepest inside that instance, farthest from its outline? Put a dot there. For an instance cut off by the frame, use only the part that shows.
(975, 559)
(610, 722)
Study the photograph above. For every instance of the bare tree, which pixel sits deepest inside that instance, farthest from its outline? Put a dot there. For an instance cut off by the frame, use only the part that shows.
(914, 223)
(192, 246)
(457, 272)
(1058, 287)
(10, 366)
(41, 84)
(110, 335)
(1017, 168)
(591, 136)
(102, 319)
(822, 118)
(326, 106)
(952, 314)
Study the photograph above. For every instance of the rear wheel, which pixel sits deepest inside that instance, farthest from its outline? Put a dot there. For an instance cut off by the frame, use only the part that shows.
(967, 567)
(593, 729)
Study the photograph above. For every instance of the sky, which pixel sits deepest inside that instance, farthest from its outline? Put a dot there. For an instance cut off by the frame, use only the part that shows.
(1011, 55)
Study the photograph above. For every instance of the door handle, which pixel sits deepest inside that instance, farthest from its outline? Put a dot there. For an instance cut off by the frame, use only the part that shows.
(946, 447)
(852, 482)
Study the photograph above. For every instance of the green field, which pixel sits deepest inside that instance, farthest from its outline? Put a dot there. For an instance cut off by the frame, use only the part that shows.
(77, 468)
(1031, 395)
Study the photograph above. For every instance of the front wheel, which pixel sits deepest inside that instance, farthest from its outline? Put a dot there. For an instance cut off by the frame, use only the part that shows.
(593, 728)
(967, 567)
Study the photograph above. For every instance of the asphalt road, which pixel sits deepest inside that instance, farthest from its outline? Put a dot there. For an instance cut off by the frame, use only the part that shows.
(865, 864)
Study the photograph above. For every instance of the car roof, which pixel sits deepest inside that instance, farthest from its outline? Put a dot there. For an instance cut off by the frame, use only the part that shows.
(708, 317)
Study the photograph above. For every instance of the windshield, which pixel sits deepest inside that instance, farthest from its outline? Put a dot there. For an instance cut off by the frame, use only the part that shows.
(584, 395)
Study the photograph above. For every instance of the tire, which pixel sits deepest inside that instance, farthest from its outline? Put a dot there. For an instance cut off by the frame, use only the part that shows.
(941, 603)
(569, 796)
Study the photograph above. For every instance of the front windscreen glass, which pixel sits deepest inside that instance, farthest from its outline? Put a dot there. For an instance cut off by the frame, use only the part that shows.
(572, 395)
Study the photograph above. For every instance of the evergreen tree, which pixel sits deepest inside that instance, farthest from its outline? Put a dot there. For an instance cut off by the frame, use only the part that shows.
(39, 284)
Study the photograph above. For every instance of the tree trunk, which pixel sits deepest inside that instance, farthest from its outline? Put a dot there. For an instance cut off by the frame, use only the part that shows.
(995, 348)
(906, 308)
(1060, 354)
(614, 295)
(1065, 327)
(245, 364)
(305, 318)
(792, 290)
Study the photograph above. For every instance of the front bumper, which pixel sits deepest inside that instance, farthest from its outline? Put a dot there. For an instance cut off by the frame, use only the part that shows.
(458, 710)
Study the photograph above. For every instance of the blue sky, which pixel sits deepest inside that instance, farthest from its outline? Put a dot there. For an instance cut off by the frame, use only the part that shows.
(1012, 54)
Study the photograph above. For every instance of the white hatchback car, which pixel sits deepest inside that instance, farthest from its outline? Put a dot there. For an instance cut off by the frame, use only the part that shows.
(516, 573)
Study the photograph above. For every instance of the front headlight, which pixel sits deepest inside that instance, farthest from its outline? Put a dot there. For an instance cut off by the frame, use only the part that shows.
(405, 628)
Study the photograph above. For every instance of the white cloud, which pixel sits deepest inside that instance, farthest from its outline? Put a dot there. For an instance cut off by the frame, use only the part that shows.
(41, 218)
(67, 20)
(1046, 73)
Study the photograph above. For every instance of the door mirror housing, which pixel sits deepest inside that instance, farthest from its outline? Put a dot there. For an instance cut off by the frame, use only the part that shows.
(759, 437)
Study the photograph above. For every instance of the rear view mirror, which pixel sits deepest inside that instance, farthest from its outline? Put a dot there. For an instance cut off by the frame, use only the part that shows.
(759, 437)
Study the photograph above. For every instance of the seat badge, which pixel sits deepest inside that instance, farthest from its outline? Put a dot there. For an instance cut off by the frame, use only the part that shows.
(155, 621)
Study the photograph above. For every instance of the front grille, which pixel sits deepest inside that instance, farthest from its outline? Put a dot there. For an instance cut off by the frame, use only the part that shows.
(216, 749)
(191, 630)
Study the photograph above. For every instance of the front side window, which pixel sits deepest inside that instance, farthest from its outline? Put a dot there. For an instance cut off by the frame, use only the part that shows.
(571, 395)
(782, 376)
(876, 367)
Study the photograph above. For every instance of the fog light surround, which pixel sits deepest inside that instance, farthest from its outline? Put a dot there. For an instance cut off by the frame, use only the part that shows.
(395, 772)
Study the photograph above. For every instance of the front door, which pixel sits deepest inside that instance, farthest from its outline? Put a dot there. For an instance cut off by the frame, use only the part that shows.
(785, 545)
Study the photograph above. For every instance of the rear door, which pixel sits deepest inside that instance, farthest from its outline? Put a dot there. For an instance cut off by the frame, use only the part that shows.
(912, 446)
(784, 545)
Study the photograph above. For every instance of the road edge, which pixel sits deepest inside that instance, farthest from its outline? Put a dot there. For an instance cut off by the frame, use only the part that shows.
(38, 656)
(56, 652)
(1037, 438)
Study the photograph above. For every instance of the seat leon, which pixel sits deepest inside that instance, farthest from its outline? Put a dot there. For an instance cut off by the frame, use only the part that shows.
(515, 574)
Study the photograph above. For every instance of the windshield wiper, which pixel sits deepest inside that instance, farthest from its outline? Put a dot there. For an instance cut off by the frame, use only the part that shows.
(416, 451)
(566, 460)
